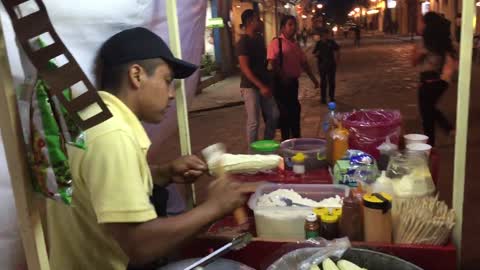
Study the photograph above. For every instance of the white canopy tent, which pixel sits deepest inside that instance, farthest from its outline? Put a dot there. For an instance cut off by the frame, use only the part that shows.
(83, 26)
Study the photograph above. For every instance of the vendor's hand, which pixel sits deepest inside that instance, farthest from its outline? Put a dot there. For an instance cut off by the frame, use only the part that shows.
(226, 195)
(265, 91)
(187, 169)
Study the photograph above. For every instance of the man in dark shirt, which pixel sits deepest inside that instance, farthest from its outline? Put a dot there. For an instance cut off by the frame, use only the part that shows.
(327, 52)
(257, 95)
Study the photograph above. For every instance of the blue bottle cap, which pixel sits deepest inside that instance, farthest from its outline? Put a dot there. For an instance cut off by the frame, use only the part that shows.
(332, 106)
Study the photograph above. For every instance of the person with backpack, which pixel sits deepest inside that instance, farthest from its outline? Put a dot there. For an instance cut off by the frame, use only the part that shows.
(436, 58)
(327, 52)
(287, 61)
(112, 224)
(258, 97)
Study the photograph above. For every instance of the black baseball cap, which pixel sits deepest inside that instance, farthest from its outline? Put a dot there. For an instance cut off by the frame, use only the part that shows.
(140, 44)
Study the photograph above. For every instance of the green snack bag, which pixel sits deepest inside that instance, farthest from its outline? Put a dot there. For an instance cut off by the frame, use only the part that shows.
(51, 130)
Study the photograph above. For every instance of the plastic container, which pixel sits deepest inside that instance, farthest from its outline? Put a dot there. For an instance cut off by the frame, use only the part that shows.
(266, 147)
(383, 184)
(299, 163)
(420, 148)
(328, 121)
(351, 223)
(313, 149)
(329, 226)
(338, 143)
(377, 217)
(415, 138)
(287, 223)
(370, 128)
(312, 226)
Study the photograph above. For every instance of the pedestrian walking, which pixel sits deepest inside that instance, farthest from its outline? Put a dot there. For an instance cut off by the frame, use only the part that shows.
(304, 36)
(255, 90)
(358, 36)
(287, 60)
(436, 59)
(327, 52)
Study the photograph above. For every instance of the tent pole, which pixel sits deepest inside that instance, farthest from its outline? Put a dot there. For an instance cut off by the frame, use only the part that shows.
(27, 206)
(464, 84)
(181, 97)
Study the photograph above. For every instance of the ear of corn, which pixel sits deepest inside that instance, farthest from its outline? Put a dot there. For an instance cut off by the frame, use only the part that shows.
(346, 265)
(314, 267)
(328, 264)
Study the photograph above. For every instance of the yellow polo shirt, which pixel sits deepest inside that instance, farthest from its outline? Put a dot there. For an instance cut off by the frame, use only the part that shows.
(112, 184)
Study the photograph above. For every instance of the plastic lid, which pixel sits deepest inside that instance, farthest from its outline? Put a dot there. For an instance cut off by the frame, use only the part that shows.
(329, 218)
(332, 106)
(312, 217)
(320, 211)
(265, 146)
(299, 157)
(376, 198)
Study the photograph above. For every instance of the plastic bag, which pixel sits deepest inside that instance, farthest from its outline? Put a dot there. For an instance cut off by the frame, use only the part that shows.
(387, 149)
(370, 128)
(304, 258)
(355, 167)
(51, 130)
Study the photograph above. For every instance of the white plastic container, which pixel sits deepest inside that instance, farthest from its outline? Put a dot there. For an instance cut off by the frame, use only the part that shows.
(287, 223)
(415, 138)
(422, 148)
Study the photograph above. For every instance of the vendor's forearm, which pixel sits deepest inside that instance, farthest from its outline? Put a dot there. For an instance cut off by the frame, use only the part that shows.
(161, 174)
(146, 242)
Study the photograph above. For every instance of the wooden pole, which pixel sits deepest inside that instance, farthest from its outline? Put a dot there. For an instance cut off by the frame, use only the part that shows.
(463, 102)
(181, 97)
(29, 222)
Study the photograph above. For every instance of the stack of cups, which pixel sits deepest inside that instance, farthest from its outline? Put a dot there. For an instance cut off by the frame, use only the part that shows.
(417, 143)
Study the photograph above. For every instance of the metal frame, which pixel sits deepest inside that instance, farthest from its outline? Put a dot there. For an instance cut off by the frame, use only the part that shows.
(463, 104)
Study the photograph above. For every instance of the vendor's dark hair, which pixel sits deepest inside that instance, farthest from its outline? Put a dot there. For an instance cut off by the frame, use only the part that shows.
(436, 35)
(285, 20)
(110, 78)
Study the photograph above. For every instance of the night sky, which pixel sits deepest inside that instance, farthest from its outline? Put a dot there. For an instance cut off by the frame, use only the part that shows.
(338, 9)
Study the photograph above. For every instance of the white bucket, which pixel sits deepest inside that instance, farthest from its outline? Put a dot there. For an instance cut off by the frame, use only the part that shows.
(415, 138)
(420, 148)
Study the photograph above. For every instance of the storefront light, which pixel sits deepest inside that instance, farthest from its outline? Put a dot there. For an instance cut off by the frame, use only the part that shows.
(287, 6)
(319, 6)
(304, 16)
(373, 11)
(357, 9)
(238, 6)
(478, 4)
(335, 29)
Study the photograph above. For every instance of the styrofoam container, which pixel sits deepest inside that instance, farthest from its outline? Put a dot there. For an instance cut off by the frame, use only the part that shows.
(420, 148)
(287, 223)
(415, 138)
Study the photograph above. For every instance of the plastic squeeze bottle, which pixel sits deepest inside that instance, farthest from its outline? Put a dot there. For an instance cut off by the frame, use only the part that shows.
(299, 163)
(338, 142)
(351, 222)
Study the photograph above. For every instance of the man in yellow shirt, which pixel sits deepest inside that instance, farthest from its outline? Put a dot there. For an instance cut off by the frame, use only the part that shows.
(112, 223)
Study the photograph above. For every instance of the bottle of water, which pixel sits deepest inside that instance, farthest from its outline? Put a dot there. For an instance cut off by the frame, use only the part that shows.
(328, 121)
